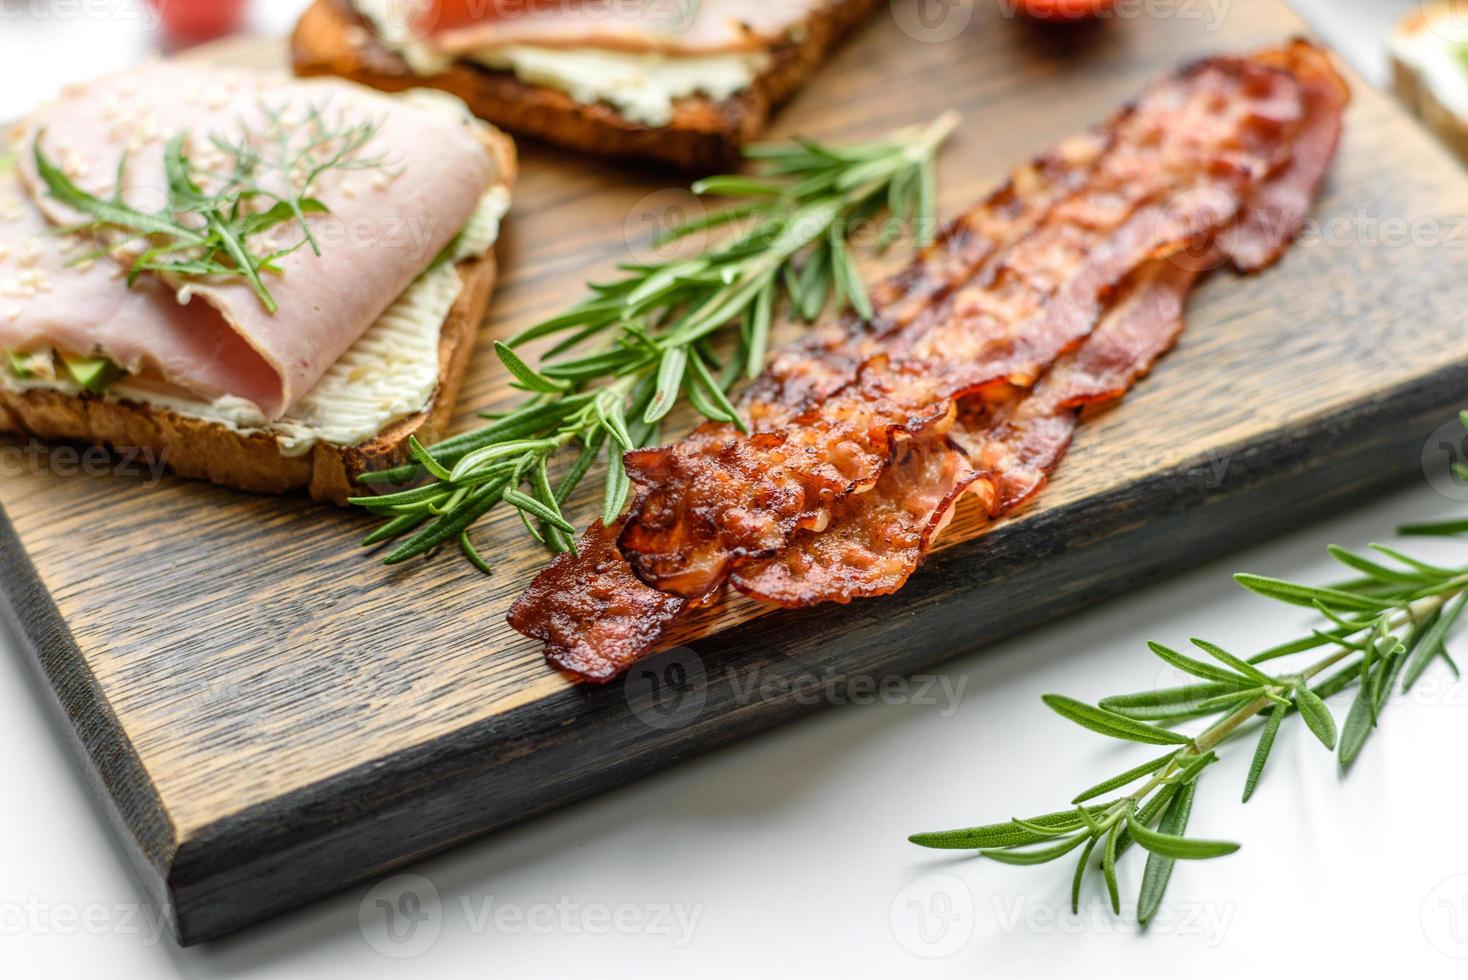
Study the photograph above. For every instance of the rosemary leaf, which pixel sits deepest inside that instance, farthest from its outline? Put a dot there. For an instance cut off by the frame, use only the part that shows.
(1042, 855)
(1110, 723)
(1195, 667)
(1158, 871)
(1316, 715)
(1177, 848)
(614, 497)
(525, 374)
(1169, 703)
(1130, 776)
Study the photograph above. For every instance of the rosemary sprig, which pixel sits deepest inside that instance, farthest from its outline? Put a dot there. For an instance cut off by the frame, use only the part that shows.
(639, 344)
(199, 233)
(1382, 627)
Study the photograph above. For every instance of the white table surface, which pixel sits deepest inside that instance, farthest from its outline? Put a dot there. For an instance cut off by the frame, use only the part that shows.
(786, 853)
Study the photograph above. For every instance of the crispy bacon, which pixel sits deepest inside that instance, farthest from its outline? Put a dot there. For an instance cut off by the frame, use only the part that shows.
(806, 372)
(718, 499)
(594, 616)
(597, 586)
(1278, 209)
(1059, 292)
(1003, 453)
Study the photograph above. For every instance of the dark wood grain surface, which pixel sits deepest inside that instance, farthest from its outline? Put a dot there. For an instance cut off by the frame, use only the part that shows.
(273, 715)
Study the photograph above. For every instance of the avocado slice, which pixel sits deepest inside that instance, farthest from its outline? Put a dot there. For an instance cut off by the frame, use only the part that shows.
(92, 373)
(20, 365)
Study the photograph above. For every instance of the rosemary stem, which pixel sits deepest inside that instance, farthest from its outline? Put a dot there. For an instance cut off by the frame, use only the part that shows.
(1387, 623)
(933, 135)
(1226, 726)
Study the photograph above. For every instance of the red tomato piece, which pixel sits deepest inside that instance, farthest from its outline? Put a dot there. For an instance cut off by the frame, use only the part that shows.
(192, 21)
(1062, 10)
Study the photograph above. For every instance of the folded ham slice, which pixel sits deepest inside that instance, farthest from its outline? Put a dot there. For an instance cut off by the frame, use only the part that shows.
(385, 224)
(48, 299)
(680, 27)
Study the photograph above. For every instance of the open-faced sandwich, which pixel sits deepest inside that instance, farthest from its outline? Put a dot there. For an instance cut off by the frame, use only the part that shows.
(268, 283)
(686, 82)
(1429, 53)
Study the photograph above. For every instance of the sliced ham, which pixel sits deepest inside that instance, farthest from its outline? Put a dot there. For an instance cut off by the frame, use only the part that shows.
(48, 301)
(667, 26)
(384, 226)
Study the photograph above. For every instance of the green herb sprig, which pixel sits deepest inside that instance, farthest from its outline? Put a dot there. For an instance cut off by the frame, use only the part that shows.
(1383, 627)
(199, 234)
(639, 344)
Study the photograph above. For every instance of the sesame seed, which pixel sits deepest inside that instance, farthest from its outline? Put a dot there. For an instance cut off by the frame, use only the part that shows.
(30, 252)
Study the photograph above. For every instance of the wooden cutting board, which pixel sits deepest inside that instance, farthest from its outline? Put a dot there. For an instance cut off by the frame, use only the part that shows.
(273, 714)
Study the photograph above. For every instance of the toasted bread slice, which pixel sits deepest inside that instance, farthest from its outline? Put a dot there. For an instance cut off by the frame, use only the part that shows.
(704, 135)
(1414, 82)
(205, 450)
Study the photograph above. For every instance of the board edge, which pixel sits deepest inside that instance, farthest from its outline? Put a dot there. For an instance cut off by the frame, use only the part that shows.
(302, 840)
(111, 764)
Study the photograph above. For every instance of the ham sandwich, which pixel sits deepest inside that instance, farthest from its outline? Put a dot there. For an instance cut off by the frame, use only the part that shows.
(683, 83)
(1057, 293)
(389, 213)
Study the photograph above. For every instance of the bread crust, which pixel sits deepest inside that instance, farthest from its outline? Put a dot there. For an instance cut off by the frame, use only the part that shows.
(1417, 94)
(704, 135)
(204, 450)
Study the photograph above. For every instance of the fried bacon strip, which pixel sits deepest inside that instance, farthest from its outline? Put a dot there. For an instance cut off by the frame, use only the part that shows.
(866, 436)
(1002, 453)
(720, 498)
(595, 616)
(806, 372)
(1279, 206)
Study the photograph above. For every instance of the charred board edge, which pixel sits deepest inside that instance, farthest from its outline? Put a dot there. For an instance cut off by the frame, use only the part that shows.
(485, 777)
(108, 758)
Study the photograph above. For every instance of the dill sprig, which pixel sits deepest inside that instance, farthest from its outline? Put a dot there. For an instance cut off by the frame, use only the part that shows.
(638, 345)
(202, 234)
(1383, 628)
